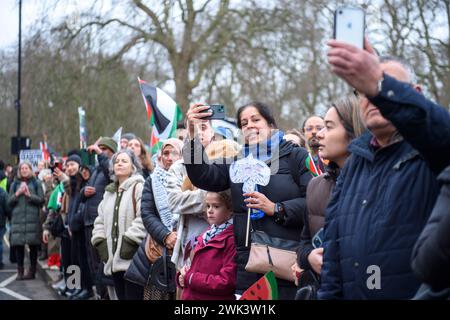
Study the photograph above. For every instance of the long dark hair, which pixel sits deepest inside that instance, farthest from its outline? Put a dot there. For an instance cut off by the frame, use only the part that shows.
(264, 110)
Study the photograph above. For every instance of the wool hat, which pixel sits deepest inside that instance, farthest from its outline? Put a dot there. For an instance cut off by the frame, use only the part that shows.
(75, 158)
(108, 142)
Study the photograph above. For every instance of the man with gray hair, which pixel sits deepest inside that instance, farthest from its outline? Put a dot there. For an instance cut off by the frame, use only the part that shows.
(385, 192)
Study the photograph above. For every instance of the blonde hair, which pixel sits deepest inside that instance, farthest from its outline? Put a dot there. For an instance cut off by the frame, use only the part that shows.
(24, 163)
(225, 148)
(215, 150)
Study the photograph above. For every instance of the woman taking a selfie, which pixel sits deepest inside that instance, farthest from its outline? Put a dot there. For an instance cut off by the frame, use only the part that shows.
(278, 208)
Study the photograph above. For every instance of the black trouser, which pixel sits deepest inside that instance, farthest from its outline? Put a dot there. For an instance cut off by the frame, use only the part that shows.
(20, 255)
(79, 258)
(94, 263)
(65, 253)
(125, 289)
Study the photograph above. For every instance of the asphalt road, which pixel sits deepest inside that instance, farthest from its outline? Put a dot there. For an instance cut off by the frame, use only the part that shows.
(10, 289)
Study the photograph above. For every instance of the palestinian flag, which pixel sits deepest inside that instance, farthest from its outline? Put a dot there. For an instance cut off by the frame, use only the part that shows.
(312, 167)
(163, 113)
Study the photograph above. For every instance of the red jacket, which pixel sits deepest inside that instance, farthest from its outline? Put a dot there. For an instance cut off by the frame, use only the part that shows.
(212, 275)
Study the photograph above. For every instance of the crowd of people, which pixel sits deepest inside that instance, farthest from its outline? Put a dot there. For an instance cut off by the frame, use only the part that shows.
(362, 193)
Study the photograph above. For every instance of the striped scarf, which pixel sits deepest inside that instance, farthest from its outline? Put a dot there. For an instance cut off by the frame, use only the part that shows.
(159, 177)
(216, 230)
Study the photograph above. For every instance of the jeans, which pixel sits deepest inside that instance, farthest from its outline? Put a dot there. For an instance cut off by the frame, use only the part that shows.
(2, 233)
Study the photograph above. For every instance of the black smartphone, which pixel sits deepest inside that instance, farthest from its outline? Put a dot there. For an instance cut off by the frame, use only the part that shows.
(218, 112)
(349, 25)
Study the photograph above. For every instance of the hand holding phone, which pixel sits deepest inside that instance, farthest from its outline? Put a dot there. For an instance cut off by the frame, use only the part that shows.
(218, 112)
(349, 25)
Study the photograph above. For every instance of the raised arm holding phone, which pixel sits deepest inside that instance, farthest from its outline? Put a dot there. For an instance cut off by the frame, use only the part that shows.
(407, 144)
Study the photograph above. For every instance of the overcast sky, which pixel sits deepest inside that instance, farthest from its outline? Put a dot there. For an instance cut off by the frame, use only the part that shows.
(9, 20)
(31, 11)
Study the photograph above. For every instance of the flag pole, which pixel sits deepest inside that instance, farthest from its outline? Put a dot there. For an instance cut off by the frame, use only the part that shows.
(247, 236)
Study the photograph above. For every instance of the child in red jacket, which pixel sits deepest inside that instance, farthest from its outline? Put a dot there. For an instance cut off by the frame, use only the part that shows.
(212, 271)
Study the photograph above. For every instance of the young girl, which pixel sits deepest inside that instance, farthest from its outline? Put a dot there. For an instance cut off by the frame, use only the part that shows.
(212, 272)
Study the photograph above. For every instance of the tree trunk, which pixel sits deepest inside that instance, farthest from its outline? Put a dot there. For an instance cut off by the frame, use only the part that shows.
(182, 85)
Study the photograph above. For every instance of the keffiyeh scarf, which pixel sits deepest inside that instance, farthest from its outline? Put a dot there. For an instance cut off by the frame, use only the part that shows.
(159, 177)
(216, 230)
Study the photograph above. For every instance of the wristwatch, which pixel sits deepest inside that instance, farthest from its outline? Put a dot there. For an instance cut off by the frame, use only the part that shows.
(278, 215)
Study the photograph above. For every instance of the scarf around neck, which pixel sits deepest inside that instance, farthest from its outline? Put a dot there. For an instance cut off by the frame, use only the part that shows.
(216, 230)
(159, 178)
(263, 150)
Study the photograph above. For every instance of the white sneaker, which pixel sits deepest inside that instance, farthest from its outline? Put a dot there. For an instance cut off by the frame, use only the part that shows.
(59, 285)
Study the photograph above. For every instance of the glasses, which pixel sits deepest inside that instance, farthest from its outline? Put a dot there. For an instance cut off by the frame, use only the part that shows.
(311, 128)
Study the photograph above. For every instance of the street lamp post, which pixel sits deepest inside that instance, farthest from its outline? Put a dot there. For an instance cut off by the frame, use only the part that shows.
(18, 103)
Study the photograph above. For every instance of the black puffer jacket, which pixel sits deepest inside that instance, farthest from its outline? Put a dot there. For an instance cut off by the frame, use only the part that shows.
(281, 188)
(139, 268)
(431, 254)
(99, 180)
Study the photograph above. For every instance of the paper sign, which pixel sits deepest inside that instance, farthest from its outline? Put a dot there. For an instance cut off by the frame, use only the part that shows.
(250, 172)
(34, 156)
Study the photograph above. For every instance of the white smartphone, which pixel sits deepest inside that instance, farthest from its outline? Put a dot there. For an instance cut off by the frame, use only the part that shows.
(349, 25)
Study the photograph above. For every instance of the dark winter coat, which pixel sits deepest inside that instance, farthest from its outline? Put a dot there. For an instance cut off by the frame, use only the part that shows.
(25, 223)
(281, 188)
(317, 198)
(4, 209)
(75, 212)
(431, 254)
(379, 206)
(423, 124)
(138, 271)
(212, 274)
(99, 180)
(426, 126)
